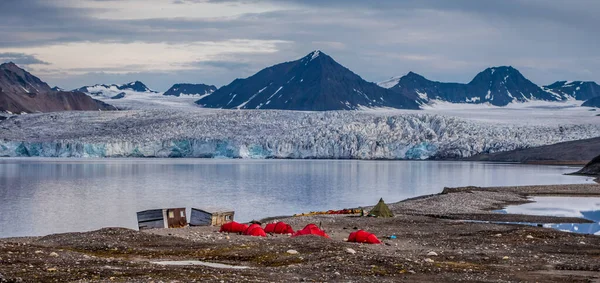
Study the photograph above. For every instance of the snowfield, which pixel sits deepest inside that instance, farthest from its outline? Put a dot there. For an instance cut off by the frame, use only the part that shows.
(382, 134)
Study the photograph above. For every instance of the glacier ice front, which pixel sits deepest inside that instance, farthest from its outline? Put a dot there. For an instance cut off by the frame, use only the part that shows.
(270, 134)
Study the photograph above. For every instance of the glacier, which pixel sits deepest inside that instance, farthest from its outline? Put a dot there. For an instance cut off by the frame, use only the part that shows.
(263, 134)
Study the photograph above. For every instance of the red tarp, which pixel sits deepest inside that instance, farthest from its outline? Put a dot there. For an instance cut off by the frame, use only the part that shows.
(233, 227)
(279, 228)
(311, 229)
(255, 230)
(362, 236)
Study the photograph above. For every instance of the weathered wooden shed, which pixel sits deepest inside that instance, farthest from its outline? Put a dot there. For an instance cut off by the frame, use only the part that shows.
(162, 218)
(201, 217)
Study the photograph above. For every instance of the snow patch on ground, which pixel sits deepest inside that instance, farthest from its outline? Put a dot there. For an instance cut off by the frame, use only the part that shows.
(390, 83)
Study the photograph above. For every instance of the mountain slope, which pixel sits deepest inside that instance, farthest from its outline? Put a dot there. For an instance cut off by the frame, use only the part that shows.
(577, 152)
(115, 91)
(190, 89)
(574, 89)
(315, 83)
(592, 102)
(498, 86)
(22, 92)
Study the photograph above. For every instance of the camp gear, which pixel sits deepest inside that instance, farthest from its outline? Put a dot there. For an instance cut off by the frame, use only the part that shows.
(233, 227)
(255, 230)
(381, 210)
(311, 229)
(362, 236)
(279, 228)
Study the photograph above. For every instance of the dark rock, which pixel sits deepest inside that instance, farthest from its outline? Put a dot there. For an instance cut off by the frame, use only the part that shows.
(190, 89)
(21, 92)
(592, 102)
(315, 82)
(498, 86)
(592, 168)
(576, 89)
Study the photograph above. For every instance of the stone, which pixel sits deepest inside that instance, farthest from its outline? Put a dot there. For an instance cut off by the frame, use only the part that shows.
(529, 237)
(53, 254)
(292, 252)
(350, 251)
(53, 269)
(498, 235)
(39, 252)
(505, 258)
(428, 260)
(432, 253)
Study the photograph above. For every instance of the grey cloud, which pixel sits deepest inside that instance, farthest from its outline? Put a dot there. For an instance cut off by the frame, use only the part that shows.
(549, 40)
(21, 59)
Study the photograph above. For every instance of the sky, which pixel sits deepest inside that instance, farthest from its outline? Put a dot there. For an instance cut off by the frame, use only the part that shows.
(72, 43)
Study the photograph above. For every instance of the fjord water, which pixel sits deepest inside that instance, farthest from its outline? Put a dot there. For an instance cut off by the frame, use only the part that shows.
(39, 196)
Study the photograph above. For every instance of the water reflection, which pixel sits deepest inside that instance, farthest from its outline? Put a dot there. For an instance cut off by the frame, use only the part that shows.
(581, 207)
(42, 196)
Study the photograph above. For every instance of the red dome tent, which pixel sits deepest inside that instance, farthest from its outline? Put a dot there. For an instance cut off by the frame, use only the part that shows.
(362, 236)
(233, 227)
(279, 228)
(311, 229)
(255, 230)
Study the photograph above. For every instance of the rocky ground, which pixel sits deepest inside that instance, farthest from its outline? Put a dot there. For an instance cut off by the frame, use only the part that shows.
(428, 247)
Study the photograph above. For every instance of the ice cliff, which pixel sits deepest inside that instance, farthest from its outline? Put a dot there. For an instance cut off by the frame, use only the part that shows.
(271, 134)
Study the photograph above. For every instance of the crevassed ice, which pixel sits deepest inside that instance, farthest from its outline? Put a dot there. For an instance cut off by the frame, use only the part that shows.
(270, 134)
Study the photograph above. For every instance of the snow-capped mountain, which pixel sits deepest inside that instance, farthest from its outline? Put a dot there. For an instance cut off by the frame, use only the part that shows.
(22, 92)
(498, 86)
(577, 90)
(200, 90)
(315, 82)
(56, 88)
(115, 91)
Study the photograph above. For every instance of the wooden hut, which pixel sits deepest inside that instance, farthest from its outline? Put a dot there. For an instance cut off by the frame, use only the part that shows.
(200, 217)
(162, 218)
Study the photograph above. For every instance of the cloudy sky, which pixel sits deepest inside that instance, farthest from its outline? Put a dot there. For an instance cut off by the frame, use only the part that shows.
(71, 43)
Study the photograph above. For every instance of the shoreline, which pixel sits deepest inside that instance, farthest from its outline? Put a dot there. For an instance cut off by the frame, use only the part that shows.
(430, 244)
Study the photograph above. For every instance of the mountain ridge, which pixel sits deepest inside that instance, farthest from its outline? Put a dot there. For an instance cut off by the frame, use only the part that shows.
(190, 89)
(315, 82)
(498, 86)
(22, 92)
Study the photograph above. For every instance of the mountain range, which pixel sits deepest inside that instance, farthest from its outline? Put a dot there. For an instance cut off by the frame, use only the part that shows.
(115, 91)
(315, 82)
(22, 92)
(498, 86)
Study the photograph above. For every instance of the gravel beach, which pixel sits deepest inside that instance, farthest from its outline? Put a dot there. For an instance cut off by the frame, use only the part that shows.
(431, 243)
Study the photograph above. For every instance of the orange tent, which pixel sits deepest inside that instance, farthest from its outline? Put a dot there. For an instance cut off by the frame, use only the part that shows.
(311, 229)
(279, 228)
(233, 227)
(255, 230)
(362, 236)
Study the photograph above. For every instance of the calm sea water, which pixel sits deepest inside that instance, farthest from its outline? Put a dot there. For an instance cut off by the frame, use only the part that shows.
(42, 196)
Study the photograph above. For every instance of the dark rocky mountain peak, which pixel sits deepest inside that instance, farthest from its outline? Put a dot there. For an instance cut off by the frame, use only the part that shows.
(22, 92)
(496, 85)
(315, 82)
(578, 90)
(190, 89)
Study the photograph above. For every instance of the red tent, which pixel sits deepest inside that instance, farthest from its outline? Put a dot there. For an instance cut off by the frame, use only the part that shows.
(311, 229)
(255, 230)
(233, 227)
(279, 228)
(362, 236)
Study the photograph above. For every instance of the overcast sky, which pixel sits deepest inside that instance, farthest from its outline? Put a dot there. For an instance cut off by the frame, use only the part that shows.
(71, 43)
